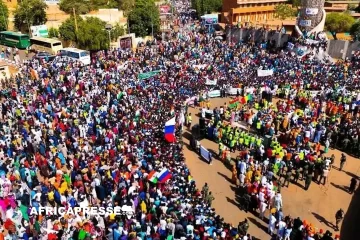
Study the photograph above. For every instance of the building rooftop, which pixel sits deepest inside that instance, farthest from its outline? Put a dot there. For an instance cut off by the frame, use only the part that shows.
(336, 8)
(252, 9)
(240, 2)
(355, 1)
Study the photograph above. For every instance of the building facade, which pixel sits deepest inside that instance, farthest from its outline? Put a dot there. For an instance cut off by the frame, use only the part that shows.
(249, 11)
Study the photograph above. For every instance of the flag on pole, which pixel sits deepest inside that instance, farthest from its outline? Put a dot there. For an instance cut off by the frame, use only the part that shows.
(233, 105)
(169, 130)
(152, 177)
(164, 175)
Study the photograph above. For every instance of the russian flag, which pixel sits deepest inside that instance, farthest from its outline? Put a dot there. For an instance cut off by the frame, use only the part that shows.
(170, 130)
(164, 175)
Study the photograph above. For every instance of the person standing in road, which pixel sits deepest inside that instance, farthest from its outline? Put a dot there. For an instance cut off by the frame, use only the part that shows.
(339, 217)
(205, 190)
(353, 183)
(287, 178)
(342, 161)
(324, 175)
(189, 120)
(209, 198)
(308, 181)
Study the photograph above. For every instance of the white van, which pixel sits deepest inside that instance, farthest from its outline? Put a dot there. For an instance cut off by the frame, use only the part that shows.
(50, 45)
(76, 54)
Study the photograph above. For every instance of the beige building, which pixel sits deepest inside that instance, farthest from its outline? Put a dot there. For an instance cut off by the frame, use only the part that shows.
(110, 16)
(249, 11)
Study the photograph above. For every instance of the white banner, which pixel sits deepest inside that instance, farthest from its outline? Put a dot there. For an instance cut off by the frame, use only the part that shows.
(264, 73)
(310, 41)
(211, 82)
(311, 11)
(305, 23)
(205, 153)
(313, 94)
(214, 93)
(201, 66)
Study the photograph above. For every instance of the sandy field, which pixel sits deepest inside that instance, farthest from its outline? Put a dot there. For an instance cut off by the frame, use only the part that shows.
(318, 205)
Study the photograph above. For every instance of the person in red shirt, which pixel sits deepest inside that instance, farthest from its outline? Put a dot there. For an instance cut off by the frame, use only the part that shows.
(269, 153)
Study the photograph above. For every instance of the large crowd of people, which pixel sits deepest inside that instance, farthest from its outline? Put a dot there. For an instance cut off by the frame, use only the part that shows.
(92, 136)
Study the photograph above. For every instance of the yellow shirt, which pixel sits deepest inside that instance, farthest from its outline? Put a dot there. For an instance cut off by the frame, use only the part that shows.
(143, 207)
(51, 196)
(63, 188)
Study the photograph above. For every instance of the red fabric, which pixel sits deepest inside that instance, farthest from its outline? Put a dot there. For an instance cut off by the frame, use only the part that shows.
(52, 236)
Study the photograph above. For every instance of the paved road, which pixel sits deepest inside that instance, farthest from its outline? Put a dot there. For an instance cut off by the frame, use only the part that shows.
(21, 53)
(317, 205)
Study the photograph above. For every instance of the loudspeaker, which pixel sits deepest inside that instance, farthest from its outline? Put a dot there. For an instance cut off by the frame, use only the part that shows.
(202, 123)
(267, 141)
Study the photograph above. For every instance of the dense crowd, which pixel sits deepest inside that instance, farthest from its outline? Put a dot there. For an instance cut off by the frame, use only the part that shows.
(75, 135)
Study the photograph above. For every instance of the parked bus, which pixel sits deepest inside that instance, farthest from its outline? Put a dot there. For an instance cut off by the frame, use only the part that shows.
(76, 54)
(14, 39)
(49, 45)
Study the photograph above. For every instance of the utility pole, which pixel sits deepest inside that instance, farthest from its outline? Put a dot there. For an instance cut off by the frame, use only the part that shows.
(152, 26)
(108, 28)
(152, 29)
(76, 26)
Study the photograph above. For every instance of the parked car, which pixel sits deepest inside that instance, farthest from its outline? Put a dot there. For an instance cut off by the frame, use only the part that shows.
(44, 55)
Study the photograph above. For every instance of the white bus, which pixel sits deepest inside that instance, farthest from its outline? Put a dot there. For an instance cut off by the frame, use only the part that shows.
(76, 54)
(49, 45)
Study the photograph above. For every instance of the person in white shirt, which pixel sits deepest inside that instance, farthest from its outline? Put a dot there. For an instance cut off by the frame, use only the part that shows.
(324, 175)
(190, 230)
(262, 209)
(272, 222)
(281, 229)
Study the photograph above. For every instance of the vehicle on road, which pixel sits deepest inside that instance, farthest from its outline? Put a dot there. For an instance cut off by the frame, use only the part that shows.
(14, 39)
(50, 45)
(76, 54)
(44, 55)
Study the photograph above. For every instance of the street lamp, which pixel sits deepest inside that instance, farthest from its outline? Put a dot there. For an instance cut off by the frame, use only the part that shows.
(108, 28)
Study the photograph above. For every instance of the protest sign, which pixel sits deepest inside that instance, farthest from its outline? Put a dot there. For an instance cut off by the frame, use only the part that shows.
(147, 75)
(264, 73)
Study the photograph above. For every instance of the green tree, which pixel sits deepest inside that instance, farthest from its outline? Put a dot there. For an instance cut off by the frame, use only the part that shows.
(4, 16)
(338, 22)
(67, 30)
(92, 35)
(85, 6)
(30, 13)
(206, 6)
(355, 31)
(144, 18)
(126, 6)
(53, 32)
(117, 31)
(284, 11)
(80, 6)
(295, 3)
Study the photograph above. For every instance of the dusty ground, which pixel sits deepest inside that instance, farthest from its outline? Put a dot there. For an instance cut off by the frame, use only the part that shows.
(318, 205)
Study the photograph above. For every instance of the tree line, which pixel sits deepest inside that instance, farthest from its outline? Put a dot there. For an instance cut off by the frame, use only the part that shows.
(90, 34)
(143, 19)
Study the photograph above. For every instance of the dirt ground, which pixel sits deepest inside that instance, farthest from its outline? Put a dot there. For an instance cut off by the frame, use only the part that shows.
(318, 205)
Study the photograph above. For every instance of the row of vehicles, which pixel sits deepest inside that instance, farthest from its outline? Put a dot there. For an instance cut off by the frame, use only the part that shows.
(46, 48)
